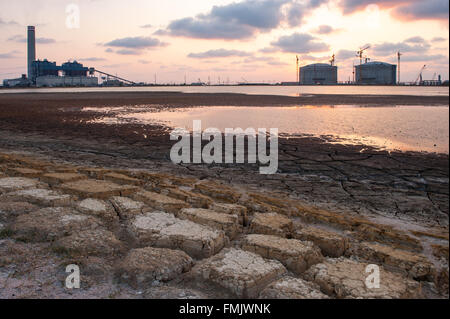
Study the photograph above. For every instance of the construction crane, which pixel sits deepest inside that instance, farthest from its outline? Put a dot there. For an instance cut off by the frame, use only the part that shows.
(333, 59)
(399, 54)
(360, 54)
(419, 77)
(298, 69)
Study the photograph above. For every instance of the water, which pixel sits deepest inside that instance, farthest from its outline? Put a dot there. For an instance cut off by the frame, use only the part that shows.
(264, 90)
(405, 128)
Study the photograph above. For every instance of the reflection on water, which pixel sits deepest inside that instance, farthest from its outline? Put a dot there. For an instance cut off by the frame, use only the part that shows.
(264, 90)
(406, 128)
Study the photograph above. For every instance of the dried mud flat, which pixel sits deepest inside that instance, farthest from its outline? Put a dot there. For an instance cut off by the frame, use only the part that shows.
(146, 234)
(108, 199)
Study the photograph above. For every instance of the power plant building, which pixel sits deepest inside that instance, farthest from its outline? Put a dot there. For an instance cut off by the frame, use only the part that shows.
(318, 73)
(31, 46)
(48, 74)
(380, 73)
(59, 81)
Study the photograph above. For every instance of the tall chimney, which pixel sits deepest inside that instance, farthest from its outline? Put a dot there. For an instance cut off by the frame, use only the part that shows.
(31, 51)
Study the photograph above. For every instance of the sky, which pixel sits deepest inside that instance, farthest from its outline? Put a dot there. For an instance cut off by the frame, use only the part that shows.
(230, 41)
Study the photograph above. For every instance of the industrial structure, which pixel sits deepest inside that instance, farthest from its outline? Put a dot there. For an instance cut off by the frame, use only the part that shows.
(318, 73)
(19, 82)
(366, 73)
(380, 73)
(48, 74)
(31, 44)
(44, 73)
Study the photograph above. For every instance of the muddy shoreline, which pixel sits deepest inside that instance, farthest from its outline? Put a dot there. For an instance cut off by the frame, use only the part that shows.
(179, 99)
(358, 204)
(411, 186)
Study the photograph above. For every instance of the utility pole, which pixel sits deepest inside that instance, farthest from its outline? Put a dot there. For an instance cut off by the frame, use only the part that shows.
(353, 72)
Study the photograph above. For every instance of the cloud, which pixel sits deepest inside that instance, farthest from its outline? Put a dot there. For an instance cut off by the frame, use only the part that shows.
(277, 63)
(324, 29)
(388, 48)
(161, 32)
(345, 55)
(146, 26)
(45, 40)
(241, 20)
(92, 59)
(17, 38)
(8, 23)
(115, 66)
(9, 55)
(259, 59)
(128, 52)
(351, 6)
(424, 58)
(268, 50)
(22, 39)
(429, 9)
(300, 43)
(404, 9)
(297, 10)
(265, 59)
(109, 50)
(136, 43)
(416, 39)
(438, 39)
(219, 53)
(209, 29)
(312, 58)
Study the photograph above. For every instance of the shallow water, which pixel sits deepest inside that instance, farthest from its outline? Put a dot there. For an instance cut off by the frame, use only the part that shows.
(405, 128)
(264, 90)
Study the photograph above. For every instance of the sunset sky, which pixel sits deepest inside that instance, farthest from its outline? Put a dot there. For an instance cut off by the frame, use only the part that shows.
(255, 40)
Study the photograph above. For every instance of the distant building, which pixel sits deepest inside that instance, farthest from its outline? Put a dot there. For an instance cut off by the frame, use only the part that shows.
(74, 69)
(60, 81)
(31, 50)
(44, 68)
(112, 83)
(19, 82)
(48, 74)
(376, 73)
(318, 73)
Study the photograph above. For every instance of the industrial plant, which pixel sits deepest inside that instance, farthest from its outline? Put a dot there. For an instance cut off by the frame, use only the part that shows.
(319, 73)
(379, 73)
(366, 73)
(44, 73)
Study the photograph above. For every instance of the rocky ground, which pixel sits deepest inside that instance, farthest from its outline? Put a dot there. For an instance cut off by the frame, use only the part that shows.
(138, 233)
(108, 199)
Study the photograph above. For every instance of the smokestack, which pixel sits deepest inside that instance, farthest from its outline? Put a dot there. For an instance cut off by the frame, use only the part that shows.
(31, 51)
